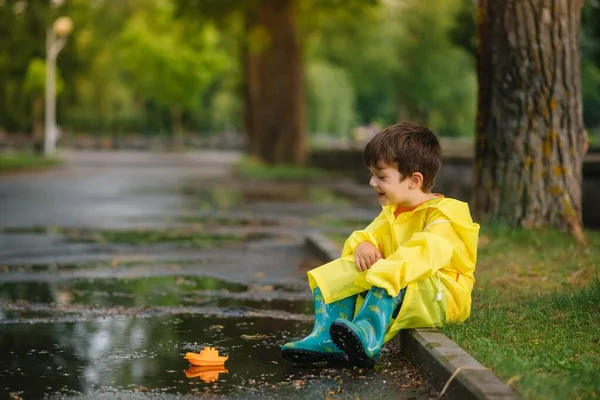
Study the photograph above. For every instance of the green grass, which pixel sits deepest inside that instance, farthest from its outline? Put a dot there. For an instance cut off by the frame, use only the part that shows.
(23, 161)
(179, 237)
(250, 168)
(536, 313)
(183, 238)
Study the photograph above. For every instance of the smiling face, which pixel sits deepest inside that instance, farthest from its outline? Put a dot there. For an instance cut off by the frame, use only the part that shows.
(391, 187)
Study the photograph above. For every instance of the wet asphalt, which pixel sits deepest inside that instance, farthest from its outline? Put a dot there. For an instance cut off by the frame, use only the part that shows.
(115, 264)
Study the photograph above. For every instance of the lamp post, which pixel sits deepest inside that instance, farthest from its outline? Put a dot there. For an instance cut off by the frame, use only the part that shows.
(56, 38)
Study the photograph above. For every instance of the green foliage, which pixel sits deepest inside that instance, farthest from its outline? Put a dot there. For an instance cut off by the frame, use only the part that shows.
(360, 48)
(250, 168)
(22, 38)
(435, 79)
(22, 161)
(331, 99)
(590, 88)
(165, 64)
(403, 63)
(35, 78)
(128, 65)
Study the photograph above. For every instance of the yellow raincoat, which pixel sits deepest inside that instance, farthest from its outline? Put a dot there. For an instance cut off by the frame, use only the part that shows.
(431, 251)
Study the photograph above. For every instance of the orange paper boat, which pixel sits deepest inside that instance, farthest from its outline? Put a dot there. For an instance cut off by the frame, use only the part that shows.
(208, 373)
(209, 356)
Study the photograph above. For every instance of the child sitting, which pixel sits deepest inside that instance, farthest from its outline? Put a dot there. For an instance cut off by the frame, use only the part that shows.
(415, 261)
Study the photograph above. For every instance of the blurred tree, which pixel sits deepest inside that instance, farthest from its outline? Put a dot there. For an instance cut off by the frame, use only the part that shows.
(169, 63)
(97, 99)
(22, 38)
(403, 64)
(272, 64)
(530, 136)
(590, 69)
(435, 79)
(464, 31)
(272, 60)
(330, 98)
(340, 45)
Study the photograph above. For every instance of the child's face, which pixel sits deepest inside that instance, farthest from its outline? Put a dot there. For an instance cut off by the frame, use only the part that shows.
(391, 187)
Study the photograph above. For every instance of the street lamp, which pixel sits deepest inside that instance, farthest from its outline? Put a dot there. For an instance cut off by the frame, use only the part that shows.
(56, 38)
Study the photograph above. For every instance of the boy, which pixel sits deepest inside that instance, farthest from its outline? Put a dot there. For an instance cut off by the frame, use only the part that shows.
(416, 259)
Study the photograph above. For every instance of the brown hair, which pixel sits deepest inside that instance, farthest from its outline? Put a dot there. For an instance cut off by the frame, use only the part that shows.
(408, 146)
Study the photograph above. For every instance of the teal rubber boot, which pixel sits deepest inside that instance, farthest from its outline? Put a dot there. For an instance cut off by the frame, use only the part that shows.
(318, 346)
(363, 338)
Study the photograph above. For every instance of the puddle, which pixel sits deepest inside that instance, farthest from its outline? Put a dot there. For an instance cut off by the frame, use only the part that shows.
(294, 307)
(152, 292)
(131, 357)
(146, 291)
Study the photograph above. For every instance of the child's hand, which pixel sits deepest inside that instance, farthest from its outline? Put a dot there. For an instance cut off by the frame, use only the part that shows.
(366, 255)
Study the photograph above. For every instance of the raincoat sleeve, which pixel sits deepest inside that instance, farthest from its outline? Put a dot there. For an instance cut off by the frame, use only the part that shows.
(421, 256)
(366, 235)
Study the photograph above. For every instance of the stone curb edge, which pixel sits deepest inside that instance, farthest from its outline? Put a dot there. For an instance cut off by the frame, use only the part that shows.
(451, 370)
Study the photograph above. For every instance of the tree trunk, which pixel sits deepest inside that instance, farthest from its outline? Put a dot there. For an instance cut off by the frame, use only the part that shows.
(37, 117)
(177, 128)
(530, 140)
(251, 88)
(282, 111)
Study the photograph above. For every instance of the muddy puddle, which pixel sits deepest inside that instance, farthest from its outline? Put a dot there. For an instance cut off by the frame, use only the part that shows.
(129, 357)
(159, 291)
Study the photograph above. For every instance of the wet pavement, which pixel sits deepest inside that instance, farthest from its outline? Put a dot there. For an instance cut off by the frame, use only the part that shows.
(115, 265)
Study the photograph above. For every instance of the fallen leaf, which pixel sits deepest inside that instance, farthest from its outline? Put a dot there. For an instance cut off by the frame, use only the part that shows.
(264, 288)
(216, 328)
(513, 380)
(254, 337)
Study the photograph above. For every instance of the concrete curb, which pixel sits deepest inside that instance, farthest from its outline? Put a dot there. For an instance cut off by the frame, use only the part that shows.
(451, 370)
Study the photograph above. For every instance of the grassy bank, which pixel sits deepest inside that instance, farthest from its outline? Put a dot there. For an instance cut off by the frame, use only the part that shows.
(250, 168)
(536, 313)
(24, 161)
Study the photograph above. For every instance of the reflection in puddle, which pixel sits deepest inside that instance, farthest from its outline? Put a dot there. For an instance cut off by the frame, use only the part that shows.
(207, 374)
(157, 290)
(150, 292)
(130, 353)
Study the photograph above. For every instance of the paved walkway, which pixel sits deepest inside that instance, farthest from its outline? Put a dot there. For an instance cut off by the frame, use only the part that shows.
(116, 264)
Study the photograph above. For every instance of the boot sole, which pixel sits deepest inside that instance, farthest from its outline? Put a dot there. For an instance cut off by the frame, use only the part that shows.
(347, 341)
(300, 356)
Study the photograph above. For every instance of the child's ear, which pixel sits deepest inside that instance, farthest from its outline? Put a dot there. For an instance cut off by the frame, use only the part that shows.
(416, 180)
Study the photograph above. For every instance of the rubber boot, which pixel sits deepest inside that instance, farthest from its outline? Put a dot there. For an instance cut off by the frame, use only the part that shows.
(317, 346)
(363, 338)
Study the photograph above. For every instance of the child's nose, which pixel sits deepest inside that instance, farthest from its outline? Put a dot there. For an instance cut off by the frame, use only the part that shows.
(372, 182)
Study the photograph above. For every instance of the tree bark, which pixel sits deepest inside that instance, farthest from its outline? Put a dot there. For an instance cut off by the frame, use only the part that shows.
(281, 112)
(251, 87)
(177, 127)
(530, 141)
